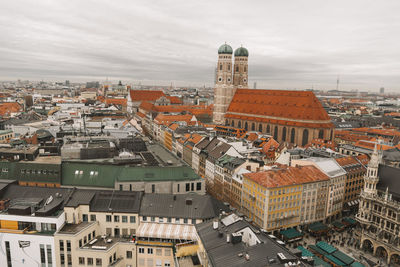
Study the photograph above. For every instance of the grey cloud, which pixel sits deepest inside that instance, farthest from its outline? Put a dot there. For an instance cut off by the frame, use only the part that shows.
(292, 44)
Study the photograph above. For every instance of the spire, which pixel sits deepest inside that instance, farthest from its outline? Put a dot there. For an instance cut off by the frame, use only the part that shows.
(375, 158)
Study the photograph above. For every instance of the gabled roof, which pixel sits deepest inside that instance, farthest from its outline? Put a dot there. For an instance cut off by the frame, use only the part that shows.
(298, 108)
(270, 144)
(218, 151)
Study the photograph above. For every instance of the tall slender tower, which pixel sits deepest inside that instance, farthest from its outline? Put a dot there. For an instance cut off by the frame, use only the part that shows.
(371, 178)
(224, 90)
(240, 69)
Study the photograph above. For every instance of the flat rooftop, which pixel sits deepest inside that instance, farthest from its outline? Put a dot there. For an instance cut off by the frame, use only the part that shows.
(74, 228)
(105, 242)
(163, 155)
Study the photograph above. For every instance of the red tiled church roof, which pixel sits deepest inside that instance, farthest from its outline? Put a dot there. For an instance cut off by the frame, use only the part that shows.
(297, 108)
(145, 95)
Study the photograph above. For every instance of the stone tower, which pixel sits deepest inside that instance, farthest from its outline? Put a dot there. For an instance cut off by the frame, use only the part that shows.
(240, 69)
(371, 178)
(224, 89)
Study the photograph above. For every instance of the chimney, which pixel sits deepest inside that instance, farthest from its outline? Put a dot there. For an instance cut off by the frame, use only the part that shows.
(228, 238)
(215, 224)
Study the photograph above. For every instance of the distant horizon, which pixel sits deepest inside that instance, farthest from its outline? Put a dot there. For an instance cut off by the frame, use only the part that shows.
(152, 83)
(292, 44)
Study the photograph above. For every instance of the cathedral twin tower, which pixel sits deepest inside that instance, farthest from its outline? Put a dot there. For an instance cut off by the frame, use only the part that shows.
(229, 78)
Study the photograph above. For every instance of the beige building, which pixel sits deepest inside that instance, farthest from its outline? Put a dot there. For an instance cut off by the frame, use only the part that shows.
(100, 229)
(273, 198)
(6, 136)
(337, 183)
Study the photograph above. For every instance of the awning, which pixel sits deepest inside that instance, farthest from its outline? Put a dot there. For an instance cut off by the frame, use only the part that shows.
(318, 227)
(291, 233)
(167, 231)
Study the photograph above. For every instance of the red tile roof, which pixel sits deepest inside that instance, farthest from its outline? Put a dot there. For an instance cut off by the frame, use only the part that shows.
(364, 159)
(379, 132)
(145, 95)
(279, 106)
(174, 126)
(345, 161)
(371, 145)
(287, 176)
(9, 107)
(167, 119)
(174, 99)
(271, 144)
(193, 109)
(116, 101)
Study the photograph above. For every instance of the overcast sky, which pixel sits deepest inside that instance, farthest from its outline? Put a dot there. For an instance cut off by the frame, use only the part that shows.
(292, 44)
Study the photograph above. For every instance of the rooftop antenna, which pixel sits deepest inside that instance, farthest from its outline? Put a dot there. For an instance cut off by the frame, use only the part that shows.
(337, 83)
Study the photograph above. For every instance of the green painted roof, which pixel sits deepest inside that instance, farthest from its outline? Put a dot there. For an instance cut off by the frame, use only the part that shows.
(5, 131)
(317, 227)
(335, 260)
(349, 220)
(102, 175)
(225, 49)
(241, 52)
(291, 233)
(30, 171)
(320, 262)
(343, 257)
(338, 224)
(357, 264)
(316, 249)
(326, 247)
(305, 252)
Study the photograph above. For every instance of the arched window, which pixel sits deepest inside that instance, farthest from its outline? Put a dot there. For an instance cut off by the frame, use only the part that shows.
(253, 126)
(321, 134)
(268, 129)
(239, 124)
(229, 66)
(237, 68)
(276, 133)
(284, 134)
(233, 123)
(260, 128)
(220, 66)
(226, 122)
(246, 126)
(305, 137)
(292, 135)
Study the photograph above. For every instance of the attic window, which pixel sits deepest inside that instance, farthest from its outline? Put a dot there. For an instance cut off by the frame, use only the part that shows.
(76, 172)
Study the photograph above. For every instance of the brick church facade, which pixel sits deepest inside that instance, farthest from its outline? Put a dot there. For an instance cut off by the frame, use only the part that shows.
(295, 117)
